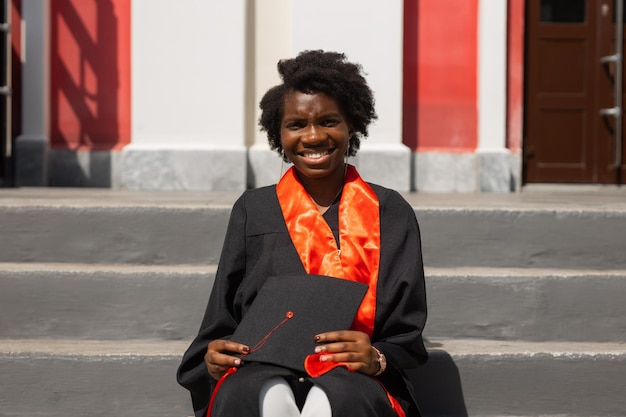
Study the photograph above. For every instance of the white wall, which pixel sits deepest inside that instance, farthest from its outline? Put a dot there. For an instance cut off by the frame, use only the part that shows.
(492, 71)
(188, 96)
(494, 169)
(188, 69)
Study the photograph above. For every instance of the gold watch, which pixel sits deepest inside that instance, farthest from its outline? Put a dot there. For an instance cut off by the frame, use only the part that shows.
(382, 361)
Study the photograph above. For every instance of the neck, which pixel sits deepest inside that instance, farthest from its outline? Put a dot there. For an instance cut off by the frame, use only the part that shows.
(324, 191)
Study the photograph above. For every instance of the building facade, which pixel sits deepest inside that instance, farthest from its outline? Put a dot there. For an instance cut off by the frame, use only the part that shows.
(161, 95)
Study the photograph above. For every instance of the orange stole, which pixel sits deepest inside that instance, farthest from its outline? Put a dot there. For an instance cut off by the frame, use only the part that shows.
(359, 236)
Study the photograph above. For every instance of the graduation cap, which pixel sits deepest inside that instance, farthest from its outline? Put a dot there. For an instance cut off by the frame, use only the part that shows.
(289, 310)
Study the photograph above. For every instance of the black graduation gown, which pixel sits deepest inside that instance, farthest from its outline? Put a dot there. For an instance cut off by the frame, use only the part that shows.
(257, 246)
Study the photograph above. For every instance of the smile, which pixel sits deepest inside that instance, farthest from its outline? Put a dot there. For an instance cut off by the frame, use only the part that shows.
(316, 155)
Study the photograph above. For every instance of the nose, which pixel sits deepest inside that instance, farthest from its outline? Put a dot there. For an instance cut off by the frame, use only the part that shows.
(312, 134)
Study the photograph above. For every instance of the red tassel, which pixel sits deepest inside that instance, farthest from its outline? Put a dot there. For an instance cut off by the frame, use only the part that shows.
(230, 371)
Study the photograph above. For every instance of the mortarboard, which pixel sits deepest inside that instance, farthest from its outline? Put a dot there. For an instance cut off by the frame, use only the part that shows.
(290, 310)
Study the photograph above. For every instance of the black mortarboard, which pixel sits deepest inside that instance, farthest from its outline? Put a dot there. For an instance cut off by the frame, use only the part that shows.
(318, 304)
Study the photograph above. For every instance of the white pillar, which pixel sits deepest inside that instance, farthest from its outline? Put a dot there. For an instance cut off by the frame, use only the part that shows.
(272, 42)
(369, 32)
(188, 93)
(31, 147)
(494, 159)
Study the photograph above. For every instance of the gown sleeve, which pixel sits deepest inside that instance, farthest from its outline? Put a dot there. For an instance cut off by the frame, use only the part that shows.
(221, 316)
(401, 295)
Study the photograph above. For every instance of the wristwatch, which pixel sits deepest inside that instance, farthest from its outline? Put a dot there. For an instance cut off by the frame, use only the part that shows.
(382, 361)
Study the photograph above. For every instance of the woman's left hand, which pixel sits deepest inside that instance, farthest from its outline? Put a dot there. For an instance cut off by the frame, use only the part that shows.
(349, 347)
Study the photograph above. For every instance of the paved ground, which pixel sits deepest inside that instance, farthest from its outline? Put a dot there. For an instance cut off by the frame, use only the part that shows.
(612, 199)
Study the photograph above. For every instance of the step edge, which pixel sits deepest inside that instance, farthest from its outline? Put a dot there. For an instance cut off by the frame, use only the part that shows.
(459, 348)
(432, 272)
(518, 272)
(190, 206)
(91, 348)
(75, 267)
(456, 348)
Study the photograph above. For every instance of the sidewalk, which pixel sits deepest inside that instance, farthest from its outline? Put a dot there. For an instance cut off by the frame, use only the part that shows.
(544, 197)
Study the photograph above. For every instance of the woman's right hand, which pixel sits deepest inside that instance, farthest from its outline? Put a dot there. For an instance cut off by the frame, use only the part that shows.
(217, 359)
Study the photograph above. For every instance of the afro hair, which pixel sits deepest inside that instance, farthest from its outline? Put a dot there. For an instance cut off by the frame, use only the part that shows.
(320, 72)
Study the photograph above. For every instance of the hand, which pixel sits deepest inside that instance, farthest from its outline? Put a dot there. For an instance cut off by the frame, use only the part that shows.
(217, 358)
(349, 347)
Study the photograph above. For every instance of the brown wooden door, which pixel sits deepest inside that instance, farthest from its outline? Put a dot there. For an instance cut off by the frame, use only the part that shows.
(566, 138)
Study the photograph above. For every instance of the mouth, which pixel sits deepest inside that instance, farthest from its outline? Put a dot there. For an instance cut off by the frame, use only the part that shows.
(315, 155)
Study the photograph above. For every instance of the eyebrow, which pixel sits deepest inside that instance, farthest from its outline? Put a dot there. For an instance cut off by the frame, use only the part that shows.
(323, 116)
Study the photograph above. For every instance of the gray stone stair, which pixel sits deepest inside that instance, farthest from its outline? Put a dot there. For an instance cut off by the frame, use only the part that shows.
(568, 231)
(533, 305)
(115, 302)
(464, 378)
(91, 378)
(473, 377)
(101, 291)
(102, 302)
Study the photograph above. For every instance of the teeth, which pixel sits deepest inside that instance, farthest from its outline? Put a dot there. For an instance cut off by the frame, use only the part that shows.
(316, 155)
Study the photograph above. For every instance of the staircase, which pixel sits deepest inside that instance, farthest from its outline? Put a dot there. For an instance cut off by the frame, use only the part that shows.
(101, 292)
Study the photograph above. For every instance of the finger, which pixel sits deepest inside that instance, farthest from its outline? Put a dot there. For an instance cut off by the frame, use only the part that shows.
(217, 364)
(349, 360)
(354, 361)
(341, 335)
(227, 346)
(218, 361)
(337, 347)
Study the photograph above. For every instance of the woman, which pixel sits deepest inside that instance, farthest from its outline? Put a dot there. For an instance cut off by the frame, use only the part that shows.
(321, 218)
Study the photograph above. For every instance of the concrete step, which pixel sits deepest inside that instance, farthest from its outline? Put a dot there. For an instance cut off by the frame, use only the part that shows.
(110, 302)
(71, 378)
(540, 230)
(112, 234)
(472, 377)
(527, 304)
(481, 378)
(117, 302)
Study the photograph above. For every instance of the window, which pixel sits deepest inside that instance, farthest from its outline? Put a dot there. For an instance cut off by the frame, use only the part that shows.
(563, 11)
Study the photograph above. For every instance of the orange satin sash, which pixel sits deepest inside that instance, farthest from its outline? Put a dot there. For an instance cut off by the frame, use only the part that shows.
(359, 236)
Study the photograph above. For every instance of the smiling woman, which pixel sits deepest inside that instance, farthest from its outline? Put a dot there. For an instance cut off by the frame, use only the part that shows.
(321, 219)
(315, 137)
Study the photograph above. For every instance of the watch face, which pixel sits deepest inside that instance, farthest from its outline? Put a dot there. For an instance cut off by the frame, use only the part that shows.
(382, 361)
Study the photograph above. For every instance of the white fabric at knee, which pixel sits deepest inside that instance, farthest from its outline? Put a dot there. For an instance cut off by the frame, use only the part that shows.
(316, 404)
(277, 400)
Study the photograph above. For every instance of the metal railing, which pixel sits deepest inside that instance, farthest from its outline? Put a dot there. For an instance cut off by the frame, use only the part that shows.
(618, 59)
(5, 93)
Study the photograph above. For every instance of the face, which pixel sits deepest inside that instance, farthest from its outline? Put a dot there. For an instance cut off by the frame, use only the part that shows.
(315, 134)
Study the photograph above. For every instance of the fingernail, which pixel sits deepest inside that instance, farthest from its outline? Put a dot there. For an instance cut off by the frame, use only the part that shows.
(237, 362)
(323, 358)
(317, 338)
(246, 349)
(318, 349)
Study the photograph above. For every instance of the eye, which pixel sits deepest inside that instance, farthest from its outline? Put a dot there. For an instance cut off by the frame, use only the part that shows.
(294, 125)
(330, 122)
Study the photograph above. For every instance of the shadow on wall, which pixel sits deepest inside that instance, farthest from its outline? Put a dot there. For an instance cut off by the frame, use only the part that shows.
(89, 89)
(438, 386)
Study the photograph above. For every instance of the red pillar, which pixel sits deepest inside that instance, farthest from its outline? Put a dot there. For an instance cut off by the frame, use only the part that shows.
(90, 74)
(440, 83)
(515, 75)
